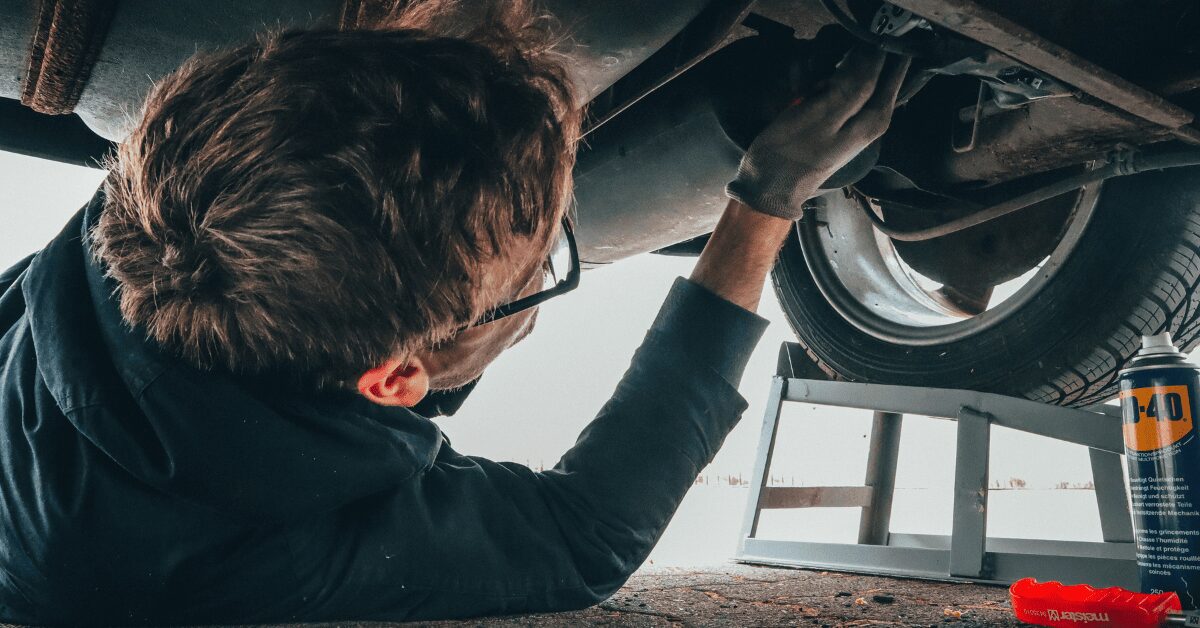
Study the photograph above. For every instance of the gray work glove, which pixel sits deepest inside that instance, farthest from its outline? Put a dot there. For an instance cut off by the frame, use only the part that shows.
(812, 139)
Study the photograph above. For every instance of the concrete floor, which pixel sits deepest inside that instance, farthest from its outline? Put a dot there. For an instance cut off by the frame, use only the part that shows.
(758, 596)
(745, 596)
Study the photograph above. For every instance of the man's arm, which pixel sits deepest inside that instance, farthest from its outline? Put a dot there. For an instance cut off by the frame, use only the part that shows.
(740, 253)
(470, 537)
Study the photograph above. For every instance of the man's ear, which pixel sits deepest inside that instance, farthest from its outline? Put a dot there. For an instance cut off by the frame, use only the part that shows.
(397, 382)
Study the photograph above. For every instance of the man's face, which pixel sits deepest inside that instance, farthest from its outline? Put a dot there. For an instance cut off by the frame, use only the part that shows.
(463, 359)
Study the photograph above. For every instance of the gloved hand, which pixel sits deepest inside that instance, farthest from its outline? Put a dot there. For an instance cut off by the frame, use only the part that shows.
(786, 164)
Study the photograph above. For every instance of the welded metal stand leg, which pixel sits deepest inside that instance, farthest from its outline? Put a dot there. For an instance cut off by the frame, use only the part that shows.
(1111, 499)
(969, 536)
(881, 477)
(766, 447)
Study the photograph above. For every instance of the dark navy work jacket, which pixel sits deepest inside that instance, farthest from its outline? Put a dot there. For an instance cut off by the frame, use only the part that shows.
(136, 489)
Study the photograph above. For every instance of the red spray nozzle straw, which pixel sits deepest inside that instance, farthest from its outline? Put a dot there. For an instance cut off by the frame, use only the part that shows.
(1055, 604)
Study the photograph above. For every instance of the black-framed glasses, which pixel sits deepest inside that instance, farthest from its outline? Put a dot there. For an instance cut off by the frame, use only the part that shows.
(560, 274)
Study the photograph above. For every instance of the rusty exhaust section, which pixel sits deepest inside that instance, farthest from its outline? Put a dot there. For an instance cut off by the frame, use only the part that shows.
(969, 19)
(66, 42)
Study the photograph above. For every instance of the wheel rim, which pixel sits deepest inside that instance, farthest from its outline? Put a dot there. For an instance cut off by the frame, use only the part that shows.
(863, 278)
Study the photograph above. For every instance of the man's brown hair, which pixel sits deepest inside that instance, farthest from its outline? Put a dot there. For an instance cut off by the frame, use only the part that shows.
(314, 202)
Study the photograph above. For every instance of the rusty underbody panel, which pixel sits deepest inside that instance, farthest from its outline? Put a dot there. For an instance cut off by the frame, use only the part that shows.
(1125, 62)
(1105, 109)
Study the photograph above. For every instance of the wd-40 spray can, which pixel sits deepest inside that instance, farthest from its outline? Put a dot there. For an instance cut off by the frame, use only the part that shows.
(1159, 389)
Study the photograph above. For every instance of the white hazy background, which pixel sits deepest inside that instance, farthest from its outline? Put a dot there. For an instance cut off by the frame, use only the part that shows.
(533, 402)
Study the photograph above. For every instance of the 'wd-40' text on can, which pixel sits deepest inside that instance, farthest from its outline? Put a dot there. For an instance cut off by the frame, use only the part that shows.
(1159, 389)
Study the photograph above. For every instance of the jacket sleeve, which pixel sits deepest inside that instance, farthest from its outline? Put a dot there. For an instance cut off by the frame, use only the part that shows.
(469, 536)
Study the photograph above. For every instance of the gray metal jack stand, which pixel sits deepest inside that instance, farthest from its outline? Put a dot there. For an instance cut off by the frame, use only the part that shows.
(967, 554)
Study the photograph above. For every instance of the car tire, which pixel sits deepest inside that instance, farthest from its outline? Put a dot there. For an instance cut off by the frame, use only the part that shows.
(1134, 271)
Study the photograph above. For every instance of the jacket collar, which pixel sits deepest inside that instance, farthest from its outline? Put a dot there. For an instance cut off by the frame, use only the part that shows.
(206, 436)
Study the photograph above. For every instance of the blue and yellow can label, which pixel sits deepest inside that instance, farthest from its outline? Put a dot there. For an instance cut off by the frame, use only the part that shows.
(1156, 416)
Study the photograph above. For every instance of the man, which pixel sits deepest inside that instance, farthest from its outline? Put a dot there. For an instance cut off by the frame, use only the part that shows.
(207, 377)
